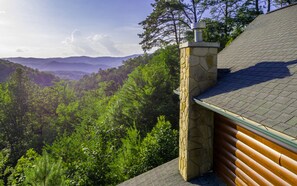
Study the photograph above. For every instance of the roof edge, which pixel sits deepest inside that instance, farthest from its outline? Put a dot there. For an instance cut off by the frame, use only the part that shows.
(247, 27)
(288, 142)
(240, 35)
(293, 4)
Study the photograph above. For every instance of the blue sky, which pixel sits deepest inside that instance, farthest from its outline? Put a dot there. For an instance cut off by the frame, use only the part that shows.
(60, 28)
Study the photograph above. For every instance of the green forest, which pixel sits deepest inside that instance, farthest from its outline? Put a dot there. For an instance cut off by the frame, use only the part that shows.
(115, 124)
(100, 130)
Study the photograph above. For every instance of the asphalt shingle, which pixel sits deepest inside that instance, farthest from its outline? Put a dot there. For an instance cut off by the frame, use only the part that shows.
(262, 65)
(168, 174)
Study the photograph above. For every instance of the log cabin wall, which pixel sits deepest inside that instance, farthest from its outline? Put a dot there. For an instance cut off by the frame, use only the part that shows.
(244, 157)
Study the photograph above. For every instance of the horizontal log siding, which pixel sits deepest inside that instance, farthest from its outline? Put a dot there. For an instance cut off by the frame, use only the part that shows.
(251, 158)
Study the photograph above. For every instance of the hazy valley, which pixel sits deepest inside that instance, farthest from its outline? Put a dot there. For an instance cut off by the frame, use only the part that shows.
(73, 68)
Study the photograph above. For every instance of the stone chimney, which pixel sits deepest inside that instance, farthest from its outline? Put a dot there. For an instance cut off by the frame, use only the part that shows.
(198, 62)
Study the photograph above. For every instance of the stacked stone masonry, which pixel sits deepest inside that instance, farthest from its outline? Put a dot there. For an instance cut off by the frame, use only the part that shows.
(198, 72)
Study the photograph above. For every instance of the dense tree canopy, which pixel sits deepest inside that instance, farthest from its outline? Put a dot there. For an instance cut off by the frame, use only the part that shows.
(170, 20)
(40, 78)
(72, 133)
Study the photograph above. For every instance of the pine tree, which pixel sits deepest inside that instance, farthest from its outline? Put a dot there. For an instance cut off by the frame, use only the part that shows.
(45, 172)
(14, 121)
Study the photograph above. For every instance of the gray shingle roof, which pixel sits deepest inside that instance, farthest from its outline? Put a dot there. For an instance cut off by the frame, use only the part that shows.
(262, 82)
(168, 174)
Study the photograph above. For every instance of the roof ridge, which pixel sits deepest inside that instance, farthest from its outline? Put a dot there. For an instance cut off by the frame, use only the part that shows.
(293, 4)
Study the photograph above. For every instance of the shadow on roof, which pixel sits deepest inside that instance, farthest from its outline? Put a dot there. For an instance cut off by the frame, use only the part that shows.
(251, 76)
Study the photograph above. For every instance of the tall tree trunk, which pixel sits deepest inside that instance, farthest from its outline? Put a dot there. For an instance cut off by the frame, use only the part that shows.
(194, 11)
(268, 5)
(226, 18)
(175, 28)
(257, 7)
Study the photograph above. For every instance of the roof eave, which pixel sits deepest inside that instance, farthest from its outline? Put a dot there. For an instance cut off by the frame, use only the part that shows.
(287, 142)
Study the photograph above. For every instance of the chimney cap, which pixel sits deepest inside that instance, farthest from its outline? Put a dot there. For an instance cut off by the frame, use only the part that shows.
(198, 25)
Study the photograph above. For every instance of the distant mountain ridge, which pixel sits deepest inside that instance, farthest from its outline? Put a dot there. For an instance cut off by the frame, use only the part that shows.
(106, 60)
(63, 66)
(42, 78)
(71, 65)
(71, 75)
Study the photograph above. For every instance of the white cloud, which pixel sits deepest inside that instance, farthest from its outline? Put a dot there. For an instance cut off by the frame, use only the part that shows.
(92, 45)
(130, 48)
(79, 44)
(2, 12)
(19, 50)
(106, 42)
